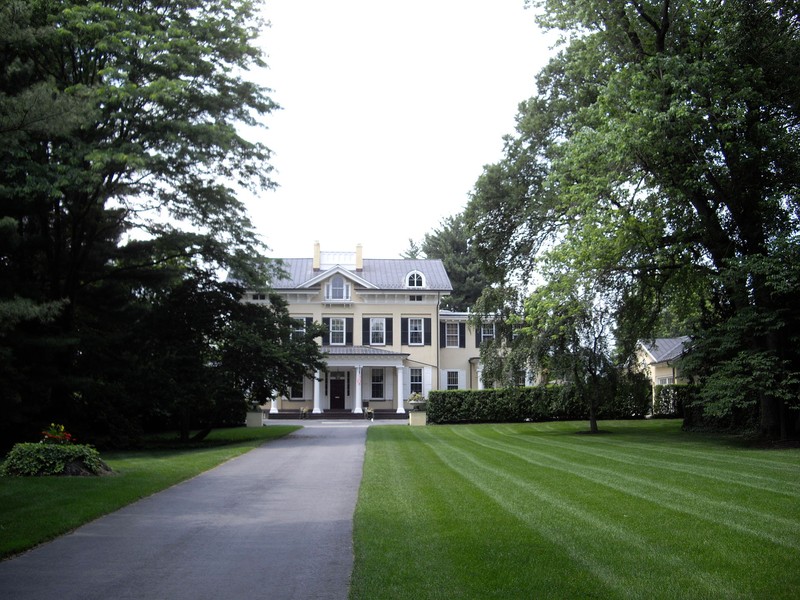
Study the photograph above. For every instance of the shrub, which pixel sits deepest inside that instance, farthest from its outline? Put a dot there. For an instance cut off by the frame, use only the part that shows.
(537, 403)
(504, 405)
(52, 459)
(672, 400)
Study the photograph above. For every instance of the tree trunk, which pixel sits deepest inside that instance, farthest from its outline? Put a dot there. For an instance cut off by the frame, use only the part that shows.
(593, 415)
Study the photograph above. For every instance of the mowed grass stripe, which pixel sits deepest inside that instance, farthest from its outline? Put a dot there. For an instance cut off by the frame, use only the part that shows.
(783, 531)
(408, 519)
(776, 492)
(766, 470)
(585, 535)
(444, 513)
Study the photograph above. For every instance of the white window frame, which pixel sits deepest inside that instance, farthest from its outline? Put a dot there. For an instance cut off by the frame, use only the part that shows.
(336, 293)
(378, 378)
(415, 280)
(452, 335)
(337, 327)
(299, 332)
(416, 327)
(666, 381)
(485, 337)
(415, 380)
(452, 380)
(377, 331)
(298, 392)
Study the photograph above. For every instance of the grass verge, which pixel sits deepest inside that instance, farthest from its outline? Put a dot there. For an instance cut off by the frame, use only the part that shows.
(37, 509)
(536, 511)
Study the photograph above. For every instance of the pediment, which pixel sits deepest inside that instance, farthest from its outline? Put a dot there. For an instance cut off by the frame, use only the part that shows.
(348, 275)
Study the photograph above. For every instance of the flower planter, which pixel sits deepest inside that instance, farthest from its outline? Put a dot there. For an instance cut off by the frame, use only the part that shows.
(417, 417)
(255, 418)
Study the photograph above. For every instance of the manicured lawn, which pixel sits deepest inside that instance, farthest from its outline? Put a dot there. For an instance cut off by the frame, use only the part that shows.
(36, 509)
(539, 511)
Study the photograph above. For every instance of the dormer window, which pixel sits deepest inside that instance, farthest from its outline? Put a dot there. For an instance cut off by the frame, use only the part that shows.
(337, 289)
(415, 279)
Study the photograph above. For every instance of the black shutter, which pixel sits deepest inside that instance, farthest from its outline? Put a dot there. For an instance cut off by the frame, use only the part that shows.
(365, 337)
(442, 335)
(404, 331)
(478, 336)
(348, 331)
(462, 335)
(389, 332)
(427, 332)
(326, 337)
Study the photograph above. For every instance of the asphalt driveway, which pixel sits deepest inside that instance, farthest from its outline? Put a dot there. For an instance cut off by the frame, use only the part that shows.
(275, 523)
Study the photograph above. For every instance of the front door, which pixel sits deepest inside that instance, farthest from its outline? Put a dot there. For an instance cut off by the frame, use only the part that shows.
(337, 394)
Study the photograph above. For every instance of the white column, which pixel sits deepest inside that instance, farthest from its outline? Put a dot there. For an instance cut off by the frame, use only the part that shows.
(273, 403)
(480, 376)
(358, 407)
(317, 393)
(400, 395)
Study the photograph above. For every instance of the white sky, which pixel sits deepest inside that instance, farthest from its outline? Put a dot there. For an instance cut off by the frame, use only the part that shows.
(390, 111)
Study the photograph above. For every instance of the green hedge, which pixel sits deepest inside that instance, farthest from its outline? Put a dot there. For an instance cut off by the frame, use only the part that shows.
(51, 459)
(539, 403)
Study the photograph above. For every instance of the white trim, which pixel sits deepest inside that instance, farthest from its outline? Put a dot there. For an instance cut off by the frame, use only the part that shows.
(323, 275)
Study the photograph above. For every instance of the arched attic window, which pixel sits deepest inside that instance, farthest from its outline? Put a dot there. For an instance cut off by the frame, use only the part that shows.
(415, 280)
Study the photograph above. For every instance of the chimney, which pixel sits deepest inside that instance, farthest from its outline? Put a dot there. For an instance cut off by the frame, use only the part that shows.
(316, 262)
(359, 258)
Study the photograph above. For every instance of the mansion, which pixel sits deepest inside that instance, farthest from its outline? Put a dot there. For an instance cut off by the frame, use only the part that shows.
(387, 337)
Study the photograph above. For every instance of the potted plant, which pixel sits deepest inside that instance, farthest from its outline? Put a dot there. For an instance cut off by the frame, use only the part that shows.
(417, 415)
(417, 401)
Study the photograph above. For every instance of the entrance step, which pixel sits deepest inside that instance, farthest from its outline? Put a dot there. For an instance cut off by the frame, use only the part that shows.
(380, 415)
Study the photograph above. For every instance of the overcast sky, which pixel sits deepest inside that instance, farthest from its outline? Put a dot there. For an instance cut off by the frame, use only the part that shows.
(390, 111)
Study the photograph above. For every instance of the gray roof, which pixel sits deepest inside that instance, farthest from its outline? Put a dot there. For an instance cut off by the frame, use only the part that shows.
(665, 349)
(384, 274)
(359, 351)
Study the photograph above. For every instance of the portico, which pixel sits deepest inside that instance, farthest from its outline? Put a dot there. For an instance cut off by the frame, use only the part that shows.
(355, 375)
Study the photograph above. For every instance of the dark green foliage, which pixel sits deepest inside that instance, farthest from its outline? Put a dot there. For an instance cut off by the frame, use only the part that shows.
(34, 459)
(673, 400)
(659, 164)
(451, 244)
(120, 155)
(539, 403)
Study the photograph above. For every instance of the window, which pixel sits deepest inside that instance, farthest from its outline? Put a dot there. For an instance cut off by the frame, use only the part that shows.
(377, 332)
(520, 378)
(665, 381)
(259, 296)
(487, 332)
(415, 298)
(337, 289)
(337, 331)
(415, 280)
(300, 329)
(452, 380)
(377, 384)
(416, 332)
(416, 381)
(451, 335)
(296, 392)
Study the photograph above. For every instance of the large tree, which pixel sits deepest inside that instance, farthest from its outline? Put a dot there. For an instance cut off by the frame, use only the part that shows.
(450, 243)
(120, 148)
(661, 155)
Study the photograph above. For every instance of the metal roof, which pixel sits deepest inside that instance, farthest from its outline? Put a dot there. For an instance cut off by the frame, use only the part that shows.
(359, 351)
(665, 349)
(384, 274)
